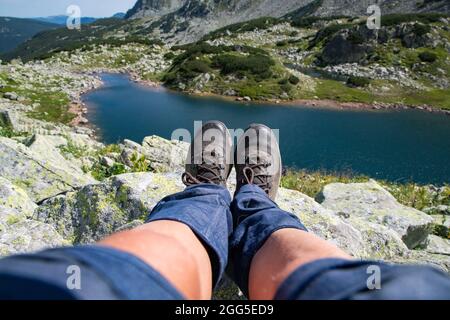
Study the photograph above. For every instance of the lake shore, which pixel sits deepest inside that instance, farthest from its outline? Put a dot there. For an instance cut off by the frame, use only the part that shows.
(311, 103)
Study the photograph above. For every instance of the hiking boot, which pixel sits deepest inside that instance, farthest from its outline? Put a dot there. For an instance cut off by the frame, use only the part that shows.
(258, 160)
(209, 156)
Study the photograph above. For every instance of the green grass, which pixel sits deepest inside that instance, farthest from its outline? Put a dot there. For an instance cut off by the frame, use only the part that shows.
(74, 150)
(409, 194)
(100, 172)
(312, 182)
(54, 106)
(338, 91)
(395, 19)
(8, 132)
(111, 148)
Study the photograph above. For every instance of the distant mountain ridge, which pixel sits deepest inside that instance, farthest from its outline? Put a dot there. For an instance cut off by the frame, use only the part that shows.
(14, 31)
(62, 19)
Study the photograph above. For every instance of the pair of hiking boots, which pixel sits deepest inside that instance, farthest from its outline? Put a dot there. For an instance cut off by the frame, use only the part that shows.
(256, 158)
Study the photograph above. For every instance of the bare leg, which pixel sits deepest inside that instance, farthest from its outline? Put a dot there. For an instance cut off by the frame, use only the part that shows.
(281, 254)
(173, 250)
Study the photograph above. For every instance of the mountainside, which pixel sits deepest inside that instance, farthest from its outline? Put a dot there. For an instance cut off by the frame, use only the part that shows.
(359, 7)
(14, 31)
(187, 20)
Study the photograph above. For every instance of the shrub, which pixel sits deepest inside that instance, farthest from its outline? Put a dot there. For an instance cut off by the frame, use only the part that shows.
(111, 148)
(100, 172)
(169, 56)
(75, 150)
(140, 163)
(282, 43)
(6, 132)
(357, 81)
(294, 80)
(428, 56)
(395, 19)
(327, 32)
(196, 66)
(421, 29)
(356, 38)
(186, 70)
(286, 87)
(257, 65)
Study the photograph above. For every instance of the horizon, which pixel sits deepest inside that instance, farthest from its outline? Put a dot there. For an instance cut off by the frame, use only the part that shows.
(47, 8)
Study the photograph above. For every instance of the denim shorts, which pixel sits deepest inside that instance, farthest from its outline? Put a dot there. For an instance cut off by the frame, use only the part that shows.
(232, 231)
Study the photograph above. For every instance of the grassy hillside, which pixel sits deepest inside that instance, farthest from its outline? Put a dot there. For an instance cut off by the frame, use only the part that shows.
(14, 31)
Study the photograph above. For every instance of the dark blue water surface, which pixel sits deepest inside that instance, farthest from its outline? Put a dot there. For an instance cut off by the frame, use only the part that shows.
(393, 145)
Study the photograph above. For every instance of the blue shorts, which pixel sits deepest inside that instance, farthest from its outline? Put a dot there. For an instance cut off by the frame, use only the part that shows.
(101, 273)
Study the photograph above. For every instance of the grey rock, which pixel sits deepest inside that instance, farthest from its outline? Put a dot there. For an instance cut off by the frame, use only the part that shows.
(26, 236)
(98, 210)
(165, 155)
(357, 237)
(438, 261)
(38, 175)
(15, 198)
(10, 96)
(438, 245)
(369, 201)
(106, 161)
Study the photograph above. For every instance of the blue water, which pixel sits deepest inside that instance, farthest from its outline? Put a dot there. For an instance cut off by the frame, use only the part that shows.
(405, 145)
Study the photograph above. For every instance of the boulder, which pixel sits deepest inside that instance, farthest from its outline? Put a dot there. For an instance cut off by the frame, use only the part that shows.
(340, 50)
(26, 235)
(107, 161)
(10, 96)
(165, 155)
(438, 245)
(421, 257)
(371, 203)
(358, 238)
(38, 174)
(15, 198)
(98, 210)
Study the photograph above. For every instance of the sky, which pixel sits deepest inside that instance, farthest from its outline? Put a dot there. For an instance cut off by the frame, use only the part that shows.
(44, 8)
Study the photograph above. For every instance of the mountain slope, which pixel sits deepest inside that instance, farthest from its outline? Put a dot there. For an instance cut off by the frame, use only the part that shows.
(183, 21)
(14, 31)
(359, 7)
